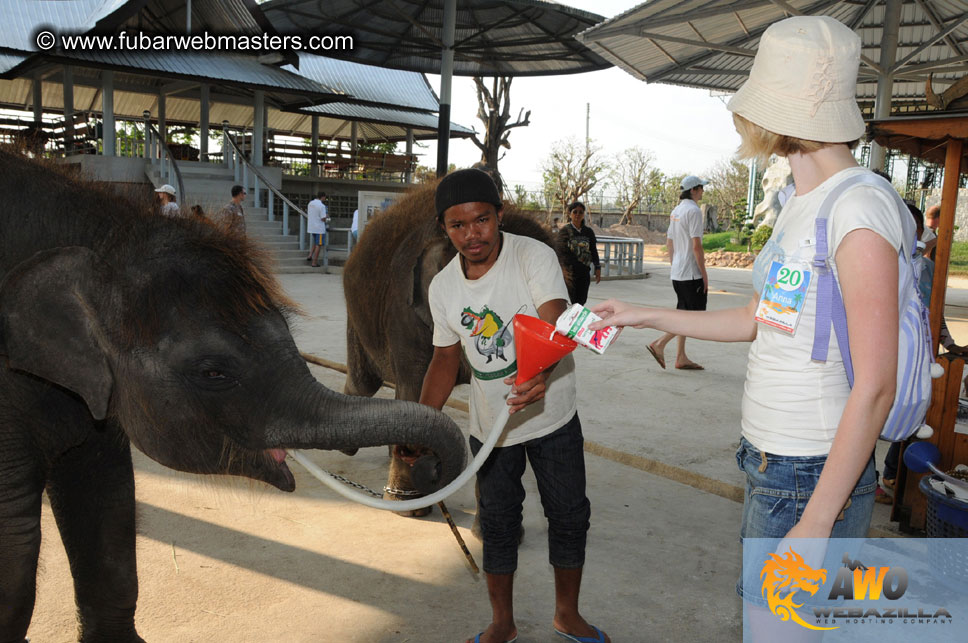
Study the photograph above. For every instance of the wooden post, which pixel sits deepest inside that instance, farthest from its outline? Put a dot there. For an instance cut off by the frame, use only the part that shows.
(946, 227)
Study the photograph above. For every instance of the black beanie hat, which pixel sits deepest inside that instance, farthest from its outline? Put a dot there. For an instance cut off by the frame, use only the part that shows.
(466, 186)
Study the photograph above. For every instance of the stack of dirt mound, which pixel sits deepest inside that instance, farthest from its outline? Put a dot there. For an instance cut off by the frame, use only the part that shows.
(724, 259)
(632, 231)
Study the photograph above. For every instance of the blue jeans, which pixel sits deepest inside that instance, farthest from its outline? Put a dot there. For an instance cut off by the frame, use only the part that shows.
(558, 462)
(776, 497)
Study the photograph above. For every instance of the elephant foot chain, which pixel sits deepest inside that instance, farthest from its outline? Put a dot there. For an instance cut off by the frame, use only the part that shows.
(390, 493)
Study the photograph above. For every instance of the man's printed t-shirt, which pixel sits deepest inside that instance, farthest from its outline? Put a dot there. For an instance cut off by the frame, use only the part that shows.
(478, 313)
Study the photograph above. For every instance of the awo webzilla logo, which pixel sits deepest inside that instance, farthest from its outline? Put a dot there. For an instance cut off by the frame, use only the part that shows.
(785, 576)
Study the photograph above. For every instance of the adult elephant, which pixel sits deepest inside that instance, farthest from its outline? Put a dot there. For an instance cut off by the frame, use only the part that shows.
(118, 327)
(389, 328)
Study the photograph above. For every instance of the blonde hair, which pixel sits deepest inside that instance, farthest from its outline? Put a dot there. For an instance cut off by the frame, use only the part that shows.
(759, 143)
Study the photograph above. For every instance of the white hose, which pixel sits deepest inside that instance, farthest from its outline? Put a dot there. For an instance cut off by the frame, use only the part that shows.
(418, 503)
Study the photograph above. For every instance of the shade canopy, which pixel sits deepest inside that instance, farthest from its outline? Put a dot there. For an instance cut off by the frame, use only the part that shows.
(385, 104)
(492, 37)
(711, 44)
(463, 37)
(923, 136)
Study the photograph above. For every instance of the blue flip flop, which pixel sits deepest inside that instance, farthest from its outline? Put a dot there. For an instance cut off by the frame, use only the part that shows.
(599, 638)
(477, 639)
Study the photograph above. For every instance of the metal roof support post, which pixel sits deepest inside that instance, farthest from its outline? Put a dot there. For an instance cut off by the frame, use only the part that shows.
(147, 117)
(258, 125)
(69, 109)
(107, 109)
(314, 144)
(885, 79)
(446, 76)
(408, 177)
(162, 125)
(37, 86)
(203, 107)
(751, 191)
(354, 143)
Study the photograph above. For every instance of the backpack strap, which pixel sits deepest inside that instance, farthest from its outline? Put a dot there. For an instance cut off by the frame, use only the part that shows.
(830, 304)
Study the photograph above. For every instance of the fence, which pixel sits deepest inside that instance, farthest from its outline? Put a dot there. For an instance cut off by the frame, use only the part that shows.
(620, 256)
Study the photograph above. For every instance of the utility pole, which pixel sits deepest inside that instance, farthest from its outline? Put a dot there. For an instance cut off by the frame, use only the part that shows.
(588, 118)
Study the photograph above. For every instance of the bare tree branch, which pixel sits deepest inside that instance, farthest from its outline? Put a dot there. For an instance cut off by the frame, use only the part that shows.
(631, 175)
(572, 170)
(494, 111)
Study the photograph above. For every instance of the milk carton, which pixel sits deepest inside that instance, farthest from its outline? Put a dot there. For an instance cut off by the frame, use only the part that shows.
(574, 323)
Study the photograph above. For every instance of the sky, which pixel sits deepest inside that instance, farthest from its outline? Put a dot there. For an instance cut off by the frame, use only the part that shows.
(686, 129)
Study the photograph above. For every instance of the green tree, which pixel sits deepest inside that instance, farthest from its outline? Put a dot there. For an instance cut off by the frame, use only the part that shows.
(728, 184)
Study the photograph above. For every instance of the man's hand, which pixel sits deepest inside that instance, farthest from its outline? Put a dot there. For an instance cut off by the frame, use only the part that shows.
(528, 392)
(598, 274)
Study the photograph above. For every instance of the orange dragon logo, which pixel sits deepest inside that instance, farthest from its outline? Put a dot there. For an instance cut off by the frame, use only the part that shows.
(782, 577)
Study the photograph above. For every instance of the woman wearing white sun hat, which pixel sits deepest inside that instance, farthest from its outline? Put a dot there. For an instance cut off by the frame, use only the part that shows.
(808, 438)
(168, 201)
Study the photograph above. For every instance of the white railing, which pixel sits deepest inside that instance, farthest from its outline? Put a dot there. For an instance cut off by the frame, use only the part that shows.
(157, 153)
(621, 255)
(247, 174)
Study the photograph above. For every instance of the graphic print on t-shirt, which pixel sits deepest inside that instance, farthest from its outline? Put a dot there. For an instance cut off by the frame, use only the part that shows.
(492, 335)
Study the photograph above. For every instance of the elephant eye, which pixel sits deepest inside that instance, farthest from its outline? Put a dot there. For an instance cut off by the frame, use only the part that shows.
(212, 374)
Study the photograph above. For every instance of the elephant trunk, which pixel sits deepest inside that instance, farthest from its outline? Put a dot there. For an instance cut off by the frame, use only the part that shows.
(336, 421)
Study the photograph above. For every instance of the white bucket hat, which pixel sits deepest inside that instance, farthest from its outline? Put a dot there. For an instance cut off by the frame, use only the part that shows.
(167, 189)
(803, 81)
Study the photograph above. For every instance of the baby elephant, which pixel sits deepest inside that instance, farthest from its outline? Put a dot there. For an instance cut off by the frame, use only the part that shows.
(120, 327)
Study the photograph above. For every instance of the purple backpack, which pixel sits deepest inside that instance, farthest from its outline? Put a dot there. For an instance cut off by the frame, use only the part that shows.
(915, 354)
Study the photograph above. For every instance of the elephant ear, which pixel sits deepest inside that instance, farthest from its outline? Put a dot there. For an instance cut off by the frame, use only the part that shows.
(50, 324)
(436, 254)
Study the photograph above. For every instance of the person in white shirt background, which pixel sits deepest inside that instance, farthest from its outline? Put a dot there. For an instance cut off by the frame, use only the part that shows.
(318, 216)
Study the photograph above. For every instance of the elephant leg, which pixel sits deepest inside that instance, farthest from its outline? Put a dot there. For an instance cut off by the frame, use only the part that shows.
(91, 491)
(399, 485)
(362, 376)
(21, 488)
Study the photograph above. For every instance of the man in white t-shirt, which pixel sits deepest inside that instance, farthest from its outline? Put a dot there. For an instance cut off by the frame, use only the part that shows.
(688, 274)
(318, 216)
(494, 276)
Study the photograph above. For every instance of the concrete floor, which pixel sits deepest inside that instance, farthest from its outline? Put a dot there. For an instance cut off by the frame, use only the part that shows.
(222, 561)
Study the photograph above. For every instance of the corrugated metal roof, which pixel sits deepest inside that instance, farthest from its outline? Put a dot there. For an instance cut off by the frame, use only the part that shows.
(203, 66)
(10, 60)
(506, 37)
(710, 44)
(421, 120)
(368, 83)
(334, 123)
(21, 20)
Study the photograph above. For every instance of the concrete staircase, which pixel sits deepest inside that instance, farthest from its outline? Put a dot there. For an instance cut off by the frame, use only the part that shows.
(210, 186)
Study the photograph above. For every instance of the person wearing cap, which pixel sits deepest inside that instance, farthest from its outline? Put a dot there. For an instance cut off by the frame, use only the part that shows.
(167, 201)
(473, 299)
(581, 251)
(688, 272)
(807, 437)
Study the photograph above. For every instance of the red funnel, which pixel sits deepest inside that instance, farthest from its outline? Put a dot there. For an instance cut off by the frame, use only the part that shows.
(537, 346)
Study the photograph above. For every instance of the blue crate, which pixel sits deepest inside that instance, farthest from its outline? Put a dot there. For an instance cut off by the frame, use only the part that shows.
(946, 518)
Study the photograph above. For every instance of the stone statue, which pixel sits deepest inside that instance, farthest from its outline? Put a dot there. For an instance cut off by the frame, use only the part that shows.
(777, 187)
